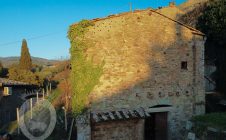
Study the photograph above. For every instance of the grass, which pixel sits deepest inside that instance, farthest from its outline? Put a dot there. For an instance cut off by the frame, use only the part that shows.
(54, 95)
(216, 120)
(10, 127)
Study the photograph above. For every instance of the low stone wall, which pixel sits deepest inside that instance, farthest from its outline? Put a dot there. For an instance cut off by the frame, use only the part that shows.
(124, 130)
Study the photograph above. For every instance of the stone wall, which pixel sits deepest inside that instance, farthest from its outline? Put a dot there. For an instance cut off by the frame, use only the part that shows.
(143, 53)
(83, 127)
(118, 130)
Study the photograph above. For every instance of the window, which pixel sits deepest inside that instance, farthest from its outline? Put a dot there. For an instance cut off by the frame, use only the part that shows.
(184, 65)
(7, 91)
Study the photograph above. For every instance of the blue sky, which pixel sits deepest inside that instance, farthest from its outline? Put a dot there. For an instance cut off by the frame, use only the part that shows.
(44, 23)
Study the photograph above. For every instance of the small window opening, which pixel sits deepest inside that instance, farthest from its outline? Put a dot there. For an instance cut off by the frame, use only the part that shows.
(184, 65)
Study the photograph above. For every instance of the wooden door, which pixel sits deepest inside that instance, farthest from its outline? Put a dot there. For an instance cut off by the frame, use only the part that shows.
(161, 126)
(150, 128)
(156, 127)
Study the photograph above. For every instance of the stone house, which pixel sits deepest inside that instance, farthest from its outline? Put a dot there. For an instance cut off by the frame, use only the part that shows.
(153, 77)
(7, 87)
(11, 98)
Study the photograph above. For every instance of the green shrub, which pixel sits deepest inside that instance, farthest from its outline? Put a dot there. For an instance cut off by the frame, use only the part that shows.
(216, 120)
(84, 74)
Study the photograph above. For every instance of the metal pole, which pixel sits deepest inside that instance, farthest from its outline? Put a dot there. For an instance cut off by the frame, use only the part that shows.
(130, 6)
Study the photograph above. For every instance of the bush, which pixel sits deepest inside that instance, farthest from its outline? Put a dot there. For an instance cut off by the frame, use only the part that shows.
(23, 76)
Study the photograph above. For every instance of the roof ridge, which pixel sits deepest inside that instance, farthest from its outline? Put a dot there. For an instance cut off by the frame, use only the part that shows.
(9, 81)
(182, 24)
(195, 31)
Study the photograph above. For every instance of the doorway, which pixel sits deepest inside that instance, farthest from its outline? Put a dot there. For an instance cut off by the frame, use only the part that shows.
(156, 127)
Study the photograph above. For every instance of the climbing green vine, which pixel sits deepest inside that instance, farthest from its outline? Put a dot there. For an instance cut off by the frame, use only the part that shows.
(84, 74)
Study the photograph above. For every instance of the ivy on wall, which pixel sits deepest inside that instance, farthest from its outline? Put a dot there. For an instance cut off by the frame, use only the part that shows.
(84, 74)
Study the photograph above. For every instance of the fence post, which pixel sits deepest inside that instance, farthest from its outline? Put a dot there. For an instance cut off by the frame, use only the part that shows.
(31, 106)
(43, 96)
(50, 87)
(18, 120)
(65, 117)
(72, 123)
(47, 91)
(37, 97)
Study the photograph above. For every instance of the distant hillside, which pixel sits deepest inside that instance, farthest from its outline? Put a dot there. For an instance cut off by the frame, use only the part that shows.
(7, 61)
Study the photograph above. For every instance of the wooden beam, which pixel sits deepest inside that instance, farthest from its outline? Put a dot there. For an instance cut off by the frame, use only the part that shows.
(159, 109)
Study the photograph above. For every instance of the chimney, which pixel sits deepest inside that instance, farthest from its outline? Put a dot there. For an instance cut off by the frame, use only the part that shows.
(172, 4)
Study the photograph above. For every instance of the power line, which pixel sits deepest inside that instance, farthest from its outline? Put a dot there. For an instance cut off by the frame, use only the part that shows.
(32, 38)
(50, 34)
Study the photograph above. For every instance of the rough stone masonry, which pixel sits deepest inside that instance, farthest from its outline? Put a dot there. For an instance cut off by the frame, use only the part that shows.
(150, 60)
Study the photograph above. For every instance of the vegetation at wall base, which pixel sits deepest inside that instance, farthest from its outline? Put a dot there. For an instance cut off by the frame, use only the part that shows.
(213, 120)
(216, 120)
(85, 74)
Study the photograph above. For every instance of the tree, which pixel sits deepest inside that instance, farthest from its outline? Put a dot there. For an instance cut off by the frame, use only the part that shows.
(23, 75)
(1, 69)
(213, 24)
(25, 58)
(1, 66)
